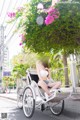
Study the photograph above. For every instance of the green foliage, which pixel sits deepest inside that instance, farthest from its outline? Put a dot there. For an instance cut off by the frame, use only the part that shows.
(20, 69)
(8, 81)
(57, 67)
(64, 33)
(23, 61)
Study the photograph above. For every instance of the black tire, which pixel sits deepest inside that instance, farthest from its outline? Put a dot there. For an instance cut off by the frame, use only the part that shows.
(19, 98)
(28, 102)
(58, 108)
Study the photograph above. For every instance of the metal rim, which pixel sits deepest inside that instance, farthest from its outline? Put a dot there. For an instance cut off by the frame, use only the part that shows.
(57, 109)
(28, 102)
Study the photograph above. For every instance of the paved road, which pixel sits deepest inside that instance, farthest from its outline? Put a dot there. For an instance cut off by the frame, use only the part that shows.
(71, 111)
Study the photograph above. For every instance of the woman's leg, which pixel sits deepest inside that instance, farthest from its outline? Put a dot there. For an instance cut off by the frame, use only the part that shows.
(44, 86)
(55, 85)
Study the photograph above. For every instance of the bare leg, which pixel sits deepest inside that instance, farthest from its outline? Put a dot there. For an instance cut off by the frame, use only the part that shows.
(55, 85)
(43, 85)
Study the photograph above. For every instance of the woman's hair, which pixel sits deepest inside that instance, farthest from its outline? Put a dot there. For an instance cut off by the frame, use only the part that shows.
(45, 64)
(45, 61)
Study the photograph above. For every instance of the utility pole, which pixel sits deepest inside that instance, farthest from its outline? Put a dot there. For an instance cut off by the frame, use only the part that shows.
(1, 52)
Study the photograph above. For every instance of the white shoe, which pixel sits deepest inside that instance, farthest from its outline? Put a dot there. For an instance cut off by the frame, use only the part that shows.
(55, 90)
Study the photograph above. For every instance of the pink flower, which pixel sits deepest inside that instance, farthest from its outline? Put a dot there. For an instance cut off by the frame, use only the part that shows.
(53, 12)
(11, 14)
(52, 15)
(22, 37)
(49, 19)
(56, 16)
(20, 43)
(40, 6)
(50, 10)
(19, 8)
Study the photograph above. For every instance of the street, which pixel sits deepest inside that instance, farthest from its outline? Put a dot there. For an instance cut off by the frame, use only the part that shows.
(13, 113)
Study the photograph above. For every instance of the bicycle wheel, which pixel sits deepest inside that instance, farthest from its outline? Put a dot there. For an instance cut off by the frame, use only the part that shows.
(28, 102)
(57, 109)
(19, 97)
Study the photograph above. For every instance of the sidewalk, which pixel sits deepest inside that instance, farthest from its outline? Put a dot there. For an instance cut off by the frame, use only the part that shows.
(12, 95)
(74, 96)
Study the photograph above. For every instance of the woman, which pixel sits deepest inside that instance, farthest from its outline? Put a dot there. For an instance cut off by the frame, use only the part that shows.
(45, 81)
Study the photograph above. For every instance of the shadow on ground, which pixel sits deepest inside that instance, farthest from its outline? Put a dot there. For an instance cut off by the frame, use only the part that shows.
(71, 112)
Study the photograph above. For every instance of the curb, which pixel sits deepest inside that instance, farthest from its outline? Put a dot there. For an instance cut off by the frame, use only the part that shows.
(15, 99)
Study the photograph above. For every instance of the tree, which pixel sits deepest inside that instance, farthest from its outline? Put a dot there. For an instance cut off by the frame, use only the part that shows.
(8, 81)
(62, 34)
(23, 61)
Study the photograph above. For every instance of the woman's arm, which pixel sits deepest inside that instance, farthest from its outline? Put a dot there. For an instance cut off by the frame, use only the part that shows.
(38, 66)
(49, 76)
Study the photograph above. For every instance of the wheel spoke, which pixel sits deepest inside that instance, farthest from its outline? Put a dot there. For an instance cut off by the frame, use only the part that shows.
(28, 102)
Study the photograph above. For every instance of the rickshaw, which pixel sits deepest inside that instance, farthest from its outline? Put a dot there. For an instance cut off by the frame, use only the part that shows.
(32, 97)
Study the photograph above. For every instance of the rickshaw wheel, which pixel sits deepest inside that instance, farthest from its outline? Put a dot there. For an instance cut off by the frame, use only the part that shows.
(28, 102)
(58, 108)
(19, 98)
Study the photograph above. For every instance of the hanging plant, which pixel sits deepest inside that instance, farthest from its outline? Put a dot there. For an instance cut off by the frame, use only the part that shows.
(48, 16)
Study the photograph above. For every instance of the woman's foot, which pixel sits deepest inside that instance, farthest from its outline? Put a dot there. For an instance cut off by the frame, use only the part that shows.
(55, 90)
(49, 96)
